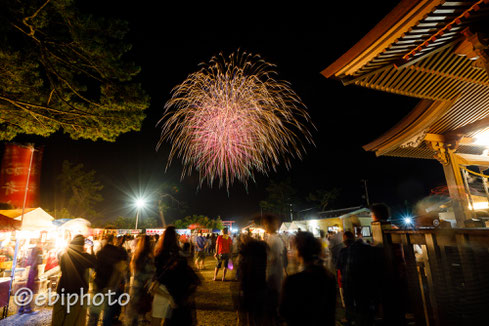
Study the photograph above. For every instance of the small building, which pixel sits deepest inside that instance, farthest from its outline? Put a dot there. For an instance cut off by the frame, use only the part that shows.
(354, 219)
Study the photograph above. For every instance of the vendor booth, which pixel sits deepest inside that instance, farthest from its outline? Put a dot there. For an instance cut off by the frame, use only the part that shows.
(284, 227)
(256, 230)
(35, 230)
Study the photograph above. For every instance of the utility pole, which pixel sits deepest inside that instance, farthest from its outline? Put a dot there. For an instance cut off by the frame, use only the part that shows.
(366, 192)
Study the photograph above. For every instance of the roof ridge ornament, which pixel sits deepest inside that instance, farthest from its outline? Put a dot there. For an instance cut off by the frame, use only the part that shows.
(416, 140)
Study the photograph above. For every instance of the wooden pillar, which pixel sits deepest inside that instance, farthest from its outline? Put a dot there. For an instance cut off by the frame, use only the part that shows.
(377, 231)
(445, 154)
(456, 189)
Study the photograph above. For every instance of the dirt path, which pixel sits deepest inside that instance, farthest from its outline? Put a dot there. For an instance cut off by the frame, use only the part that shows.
(214, 300)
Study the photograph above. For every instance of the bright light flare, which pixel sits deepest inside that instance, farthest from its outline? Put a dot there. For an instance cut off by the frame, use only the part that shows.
(232, 118)
(479, 206)
(408, 220)
(140, 203)
(482, 138)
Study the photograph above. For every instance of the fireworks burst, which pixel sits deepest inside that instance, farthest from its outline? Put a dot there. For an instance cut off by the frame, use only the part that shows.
(232, 118)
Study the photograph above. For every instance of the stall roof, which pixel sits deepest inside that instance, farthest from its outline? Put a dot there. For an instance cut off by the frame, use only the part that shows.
(8, 224)
(285, 226)
(338, 212)
(35, 219)
(296, 225)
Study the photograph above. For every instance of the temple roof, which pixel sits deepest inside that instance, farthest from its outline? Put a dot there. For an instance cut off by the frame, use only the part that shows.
(435, 51)
(413, 29)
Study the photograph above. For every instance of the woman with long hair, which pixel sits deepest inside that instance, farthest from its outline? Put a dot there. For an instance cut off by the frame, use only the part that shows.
(142, 269)
(176, 283)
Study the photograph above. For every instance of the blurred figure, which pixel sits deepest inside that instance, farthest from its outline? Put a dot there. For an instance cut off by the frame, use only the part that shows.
(391, 275)
(122, 243)
(176, 282)
(213, 243)
(200, 247)
(51, 261)
(142, 268)
(355, 263)
(235, 247)
(208, 245)
(97, 244)
(309, 297)
(74, 264)
(33, 262)
(110, 271)
(335, 246)
(223, 253)
(276, 258)
(253, 295)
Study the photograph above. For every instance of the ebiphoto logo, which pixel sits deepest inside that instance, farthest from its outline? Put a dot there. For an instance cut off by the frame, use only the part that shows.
(25, 296)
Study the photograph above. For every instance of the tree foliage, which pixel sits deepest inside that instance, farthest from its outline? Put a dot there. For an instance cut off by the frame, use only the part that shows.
(80, 190)
(169, 206)
(61, 68)
(62, 213)
(123, 222)
(280, 197)
(323, 198)
(202, 220)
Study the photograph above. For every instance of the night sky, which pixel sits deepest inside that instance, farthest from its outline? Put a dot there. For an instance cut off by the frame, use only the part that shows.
(170, 41)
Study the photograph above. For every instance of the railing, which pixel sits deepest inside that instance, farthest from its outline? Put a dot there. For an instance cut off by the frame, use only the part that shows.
(447, 272)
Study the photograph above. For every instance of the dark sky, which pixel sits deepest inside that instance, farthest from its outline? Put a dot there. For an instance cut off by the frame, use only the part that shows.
(170, 41)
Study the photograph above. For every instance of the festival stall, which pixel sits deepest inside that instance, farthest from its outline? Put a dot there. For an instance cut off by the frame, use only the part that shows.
(154, 231)
(255, 230)
(100, 232)
(284, 227)
(35, 229)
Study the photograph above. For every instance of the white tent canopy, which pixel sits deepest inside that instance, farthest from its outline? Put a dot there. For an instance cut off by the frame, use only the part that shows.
(285, 226)
(35, 219)
(295, 226)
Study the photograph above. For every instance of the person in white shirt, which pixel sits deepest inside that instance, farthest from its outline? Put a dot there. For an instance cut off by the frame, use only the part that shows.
(276, 256)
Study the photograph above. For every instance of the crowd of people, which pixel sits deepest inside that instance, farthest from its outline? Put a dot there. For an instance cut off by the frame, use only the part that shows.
(161, 275)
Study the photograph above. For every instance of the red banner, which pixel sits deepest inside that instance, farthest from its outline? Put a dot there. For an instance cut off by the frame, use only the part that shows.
(14, 172)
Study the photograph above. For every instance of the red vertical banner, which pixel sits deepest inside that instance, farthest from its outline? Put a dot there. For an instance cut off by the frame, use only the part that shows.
(14, 172)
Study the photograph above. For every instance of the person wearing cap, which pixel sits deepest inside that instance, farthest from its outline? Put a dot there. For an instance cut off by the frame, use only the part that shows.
(74, 263)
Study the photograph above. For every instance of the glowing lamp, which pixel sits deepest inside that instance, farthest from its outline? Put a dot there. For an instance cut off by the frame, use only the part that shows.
(482, 138)
(140, 203)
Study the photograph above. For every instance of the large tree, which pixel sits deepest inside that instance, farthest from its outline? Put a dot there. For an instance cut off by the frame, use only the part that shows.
(280, 196)
(80, 191)
(169, 206)
(199, 220)
(63, 68)
(123, 222)
(323, 198)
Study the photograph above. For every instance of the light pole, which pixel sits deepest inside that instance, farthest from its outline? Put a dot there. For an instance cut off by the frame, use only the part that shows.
(366, 192)
(139, 204)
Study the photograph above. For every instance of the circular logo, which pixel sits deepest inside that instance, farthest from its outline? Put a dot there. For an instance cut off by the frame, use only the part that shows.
(23, 297)
(436, 222)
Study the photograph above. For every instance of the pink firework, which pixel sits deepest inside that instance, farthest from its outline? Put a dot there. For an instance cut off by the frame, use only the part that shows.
(232, 118)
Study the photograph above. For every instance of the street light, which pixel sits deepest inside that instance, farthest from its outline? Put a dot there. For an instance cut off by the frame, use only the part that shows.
(140, 202)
